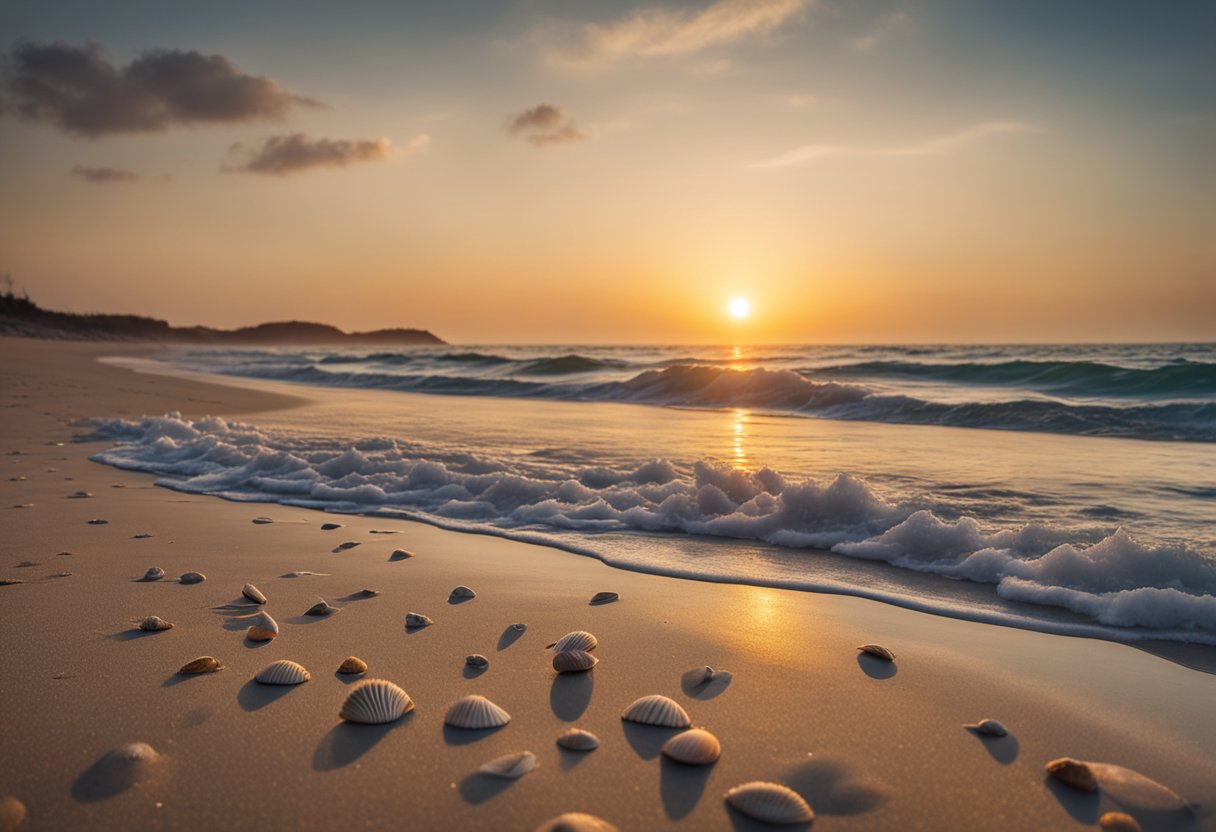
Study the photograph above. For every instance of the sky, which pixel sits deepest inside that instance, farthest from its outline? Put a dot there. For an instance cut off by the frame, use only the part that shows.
(573, 171)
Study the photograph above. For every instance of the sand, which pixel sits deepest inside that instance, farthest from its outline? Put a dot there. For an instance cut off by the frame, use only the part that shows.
(871, 745)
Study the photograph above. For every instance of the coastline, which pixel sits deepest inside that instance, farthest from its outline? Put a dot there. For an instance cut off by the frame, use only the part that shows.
(871, 747)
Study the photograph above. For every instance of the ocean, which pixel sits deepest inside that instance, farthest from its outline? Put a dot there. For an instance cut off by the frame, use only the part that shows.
(1062, 488)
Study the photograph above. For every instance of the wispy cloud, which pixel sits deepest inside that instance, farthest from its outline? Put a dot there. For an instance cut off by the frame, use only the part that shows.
(929, 147)
(76, 89)
(284, 155)
(883, 28)
(103, 176)
(665, 32)
(545, 125)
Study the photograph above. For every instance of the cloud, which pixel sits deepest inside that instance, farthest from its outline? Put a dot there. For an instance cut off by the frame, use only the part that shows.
(80, 92)
(883, 29)
(666, 32)
(545, 125)
(284, 155)
(103, 176)
(929, 147)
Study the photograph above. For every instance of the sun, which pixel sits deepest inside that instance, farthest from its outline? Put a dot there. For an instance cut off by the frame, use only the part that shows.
(739, 308)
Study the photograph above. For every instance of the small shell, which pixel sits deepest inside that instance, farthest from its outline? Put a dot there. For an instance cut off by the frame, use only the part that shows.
(10, 581)
(375, 702)
(345, 547)
(80, 495)
(877, 651)
(12, 811)
(576, 739)
(578, 640)
(1119, 822)
(261, 521)
(477, 660)
(770, 802)
(96, 521)
(329, 527)
(262, 627)
(203, 664)
(153, 623)
(352, 664)
(417, 619)
(1073, 773)
(461, 592)
(322, 608)
(153, 574)
(192, 578)
(604, 597)
(282, 672)
(253, 594)
(697, 747)
(577, 822)
(519, 628)
(305, 574)
(510, 766)
(573, 661)
(988, 728)
(368, 593)
(657, 710)
(474, 712)
(400, 554)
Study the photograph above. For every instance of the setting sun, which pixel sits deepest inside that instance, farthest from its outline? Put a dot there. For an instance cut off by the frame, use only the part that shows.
(739, 308)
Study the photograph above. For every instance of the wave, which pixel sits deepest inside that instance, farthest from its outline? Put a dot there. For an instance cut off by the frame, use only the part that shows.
(399, 358)
(1166, 591)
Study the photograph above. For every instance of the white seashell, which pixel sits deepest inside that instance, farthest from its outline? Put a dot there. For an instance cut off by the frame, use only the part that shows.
(988, 727)
(578, 640)
(353, 664)
(262, 627)
(322, 608)
(475, 712)
(203, 664)
(461, 592)
(657, 710)
(306, 574)
(577, 822)
(576, 739)
(697, 747)
(510, 766)
(253, 594)
(153, 623)
(877, 651)
(400, 554)
(770, 802)
(282, 672)
(375, 702)
(573, 661)
(604, 597)
(153, 574)
(192, 578)
(417, 619)
(477, 660)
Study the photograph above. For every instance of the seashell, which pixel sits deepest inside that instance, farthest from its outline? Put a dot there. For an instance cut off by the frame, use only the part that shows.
(573, 661)
(510, 766)
(126, 765)
(578, 640)
(262, 628)
(577, 822)
(604, 597)
(306, 575)
(19, 478)
(253, 594)
(657, 710)
(25, 564)
(322, 608)
(368, 593)
(12, 810)
(770, 802)
(461, 592)
(375, 702)
(417, 619)
(576, 739)
(153, 623)
(519, 628)
(400, 554)
(352, 664)
(1119, 822)
(62, 575)
(96, 521)
(697, 747)
(30, 505)
(477, 660)
(342, 547)
(282, 672)
(474, 712)
(80, 495)
(153, 574)
(261, 521)
(141, 536)
(192, 578)
(988, 728)
(329, 527)
(1072, 773)
(877, 651)
(10, 581)
(203, 664)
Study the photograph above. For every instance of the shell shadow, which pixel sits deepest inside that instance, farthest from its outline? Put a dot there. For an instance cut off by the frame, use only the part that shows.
(471, 672)
(467, 736)
(875, 667)
(308, 619)
(479, 787)
(571, 758)
(357, 596)
(681, 787)
(398, 555)
(347, 742)
(570, 694)
(456, 600)
(179, 678)
(832, 789)
(694, 684)
(509, 636)
(349, 678)
(132, 635)
(1082, 806)
(602, 602)
(742, 823)
(106, 778)
(1003, 749)
(254, 696)
(343, 547)
(646, 740)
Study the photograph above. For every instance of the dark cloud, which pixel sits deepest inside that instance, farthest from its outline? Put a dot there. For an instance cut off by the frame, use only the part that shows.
(282, 155)
(103, 176)
(80, 92)
(546, 124)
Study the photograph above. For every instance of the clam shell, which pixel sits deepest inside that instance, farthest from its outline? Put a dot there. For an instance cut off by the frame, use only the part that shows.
(352, 664)
(400, 554)
(604, 597)
(1073, 773)
(282, 672)
(474, 712)
(329, 527)
(519, 628)
(461, 592)
(477, 660)
(573, 661)
(322, 608)
(12, 811)
(576, 739)
(577, 822)
(262, 627)
(878, 651)
(368, 593)
(657, 710)
(1119, 822)
(696, 747)
(261, 521)
(578, 640)
(203, 664)
(192, 578)
(375, 702)
(417, 619)
(770, 802)
(153, 623)
(988, 728)
(153, 574)
(510, 766)
(253, 594)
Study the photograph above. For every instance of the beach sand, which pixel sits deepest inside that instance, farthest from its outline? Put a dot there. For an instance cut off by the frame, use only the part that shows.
(871, 745)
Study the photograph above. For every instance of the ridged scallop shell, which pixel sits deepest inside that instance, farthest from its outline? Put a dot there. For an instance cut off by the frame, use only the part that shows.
(657, 710)
(576, 739)
(770, 802)
(1073, 773)
(461, 592)
(153, 574)
(604, 597)
(989, 728)
(352, 664)
(696, 747)
(321, 608)
(262, 627)
(192, 578)
(417, 619)
(477, 660)
(578, 640)
(400, 554)
(475, 712)
(577, 822)
(203, 664)
(1119, 822)
(375, 702)
(877, 651)
(573, 661)
(253, 594)
(153, 623)
(282, 672)
(510, 766)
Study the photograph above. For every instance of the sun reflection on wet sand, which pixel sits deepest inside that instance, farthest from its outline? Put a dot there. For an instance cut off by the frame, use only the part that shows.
(739, 437)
